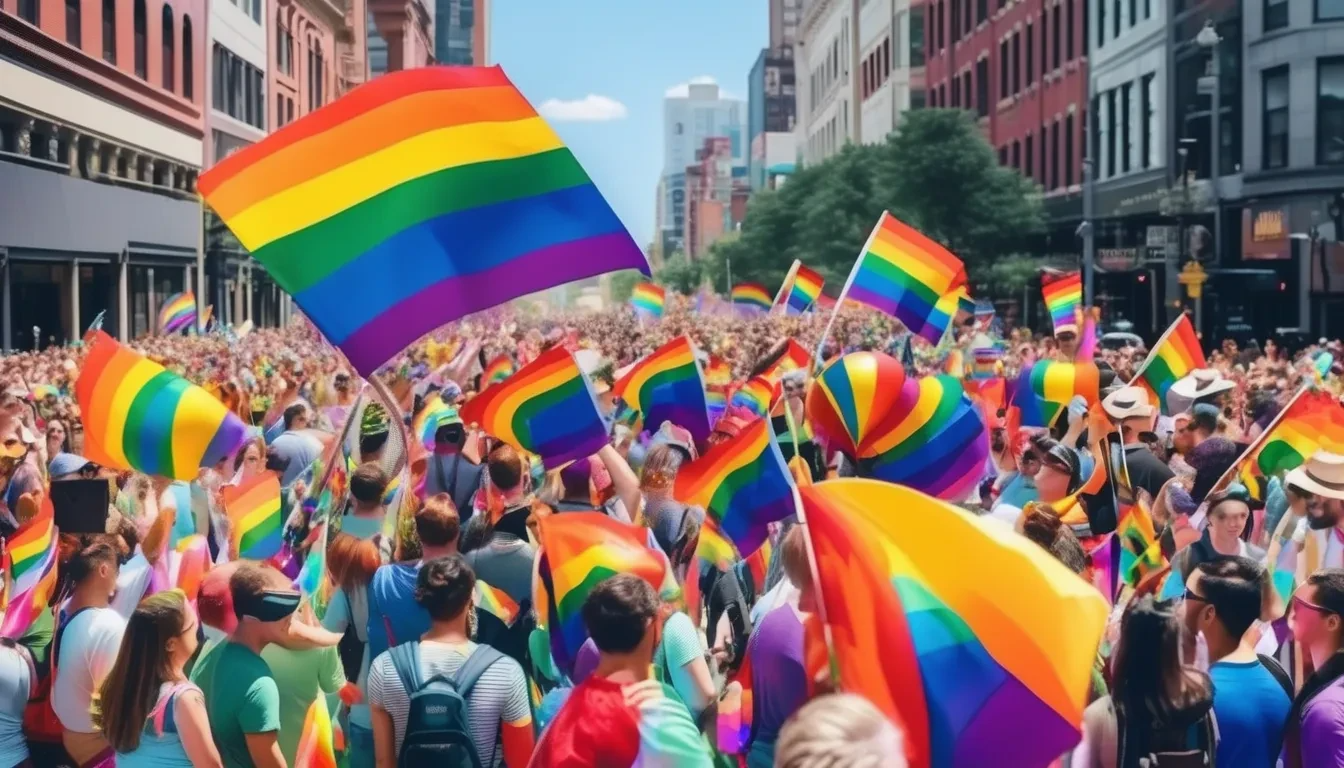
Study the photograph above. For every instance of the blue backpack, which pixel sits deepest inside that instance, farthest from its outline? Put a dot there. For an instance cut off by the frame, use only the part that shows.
(437, 729)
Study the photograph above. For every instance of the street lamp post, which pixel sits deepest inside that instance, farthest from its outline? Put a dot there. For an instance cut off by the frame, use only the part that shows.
(1208, 38)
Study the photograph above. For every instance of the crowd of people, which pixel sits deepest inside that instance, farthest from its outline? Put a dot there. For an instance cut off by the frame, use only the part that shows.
(1201, 665)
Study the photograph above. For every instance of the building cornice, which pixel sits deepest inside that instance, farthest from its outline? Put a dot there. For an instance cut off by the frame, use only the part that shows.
(813, 12)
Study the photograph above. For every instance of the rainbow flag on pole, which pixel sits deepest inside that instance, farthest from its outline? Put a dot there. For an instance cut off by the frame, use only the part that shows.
(751, 296)
(317, 742)
(1313, 421)
(416, 199)
(1063, 295)
(668, 386)
(743, 483)
(546, 408)
(178, 313)
(649, 299)
(497, 370)
(30, 571)
(801, 289)
(255, 516)
(137, 415)
(906, 274)
(963, 663)
(1176, 355)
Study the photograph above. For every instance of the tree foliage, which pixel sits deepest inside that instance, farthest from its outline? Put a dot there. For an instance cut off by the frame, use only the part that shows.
(680, 274)
(936, 173)
(623, 284)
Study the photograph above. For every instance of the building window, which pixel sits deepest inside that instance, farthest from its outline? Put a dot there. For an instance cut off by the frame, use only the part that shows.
(1101, 23)
(279, 110)
(1017, 154)
(239, 88)
(1068, 151)
(1017, 62)
(1148, 98)
(1031, 56)
(1058, 33)
(289, 110)
(1147, 9)
(1003, 155)
(284, 49)
(169, 43)
(188, 62)
(30, 11)
(1329, 10)
(1274, 84)
(110, 31)
(1044, 157)
(1103, 136)
(1069, 33)
(1054, 155)
(981, 11)
(917, 36)
(1028, 166)
(1003, 70)
(73, 34)
(1275, 15)
(1329, 111)
(966, 90)
(1113, 129)
(1133, 12)
(1126, 148)
(981, 87)
(1115, 19)
(141, 41)
(886, 58)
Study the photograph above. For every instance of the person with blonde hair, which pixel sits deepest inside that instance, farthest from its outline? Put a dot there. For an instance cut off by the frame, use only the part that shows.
(839, 730)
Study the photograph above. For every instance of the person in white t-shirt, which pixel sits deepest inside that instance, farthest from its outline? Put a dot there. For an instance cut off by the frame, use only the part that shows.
(84, 649)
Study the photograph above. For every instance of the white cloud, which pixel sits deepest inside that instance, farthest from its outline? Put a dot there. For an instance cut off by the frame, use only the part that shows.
(590, 109)
(682, 90)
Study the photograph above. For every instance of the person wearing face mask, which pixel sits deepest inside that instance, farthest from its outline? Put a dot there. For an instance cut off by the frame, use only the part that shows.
(1315, 731)
(1224, 598)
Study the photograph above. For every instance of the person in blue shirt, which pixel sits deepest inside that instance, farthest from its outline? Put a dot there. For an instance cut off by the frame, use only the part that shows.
(1223, 599)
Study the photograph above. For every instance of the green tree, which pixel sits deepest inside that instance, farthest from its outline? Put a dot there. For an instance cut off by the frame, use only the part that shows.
(680, 274)
(1006, 277)
(623, 284)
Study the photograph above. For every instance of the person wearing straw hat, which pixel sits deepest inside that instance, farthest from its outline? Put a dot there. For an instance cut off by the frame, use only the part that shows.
(1133, 415)
(1205, 385)
(1320, 533)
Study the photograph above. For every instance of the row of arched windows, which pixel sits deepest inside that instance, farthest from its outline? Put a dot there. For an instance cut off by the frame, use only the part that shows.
(168, 32)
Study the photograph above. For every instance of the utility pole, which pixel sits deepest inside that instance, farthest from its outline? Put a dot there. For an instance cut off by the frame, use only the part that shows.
(1208, 38)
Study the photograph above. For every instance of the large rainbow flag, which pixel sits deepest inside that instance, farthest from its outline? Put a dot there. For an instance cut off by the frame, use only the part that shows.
(1176, 355)
(30, 570)
(178, 313)
(667, 386)
(418, 198)
(546, 408)
(962, 662)
(1313, 421)
(1063, 294)
(578, 551)
(905, 274)
(742, 483)
(751, 296)
(137, 415)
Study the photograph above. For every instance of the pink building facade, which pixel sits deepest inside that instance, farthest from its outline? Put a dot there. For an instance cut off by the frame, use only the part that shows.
(304, 59)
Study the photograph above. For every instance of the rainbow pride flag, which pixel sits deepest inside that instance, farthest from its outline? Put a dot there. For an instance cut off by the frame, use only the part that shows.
(495, 602)
(962, 663)
(1176, 355)
(751, 296)
(578, 551)
(795, 358)
(313, 581)
(756, 396)
(905, 274)
(137, 415)
(803, 288)
(418, 198)
(497, 370)
(742, 483)
(1044, 389)
(193, 562)
(433, 414)
(178, 313)
(714, 547)
(934, 440)
(1313, 421)
(1063, 294)
(667, 386)
(30, 570)
(1140, 551)
(648, 299)
(255, 516)
(546, 408)
(317, 742)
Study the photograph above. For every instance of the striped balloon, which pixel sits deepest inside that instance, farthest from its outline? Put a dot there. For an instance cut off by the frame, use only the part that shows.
(934, 441)
(851, 397)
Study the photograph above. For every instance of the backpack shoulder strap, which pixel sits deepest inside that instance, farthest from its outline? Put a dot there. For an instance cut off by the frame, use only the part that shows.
(471, 670)
(406, 661)
(1280, 674)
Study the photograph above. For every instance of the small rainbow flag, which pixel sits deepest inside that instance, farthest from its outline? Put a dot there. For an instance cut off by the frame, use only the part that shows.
(430, 194)
(30, 565)
(434, 413)
(1044, 389)
(936, 646)
(499, 369)
(742, 483)
(178, 313)
(312, 580)
(905, 274)
(1063, 295)
(1313, 421)
(254, 516)
(1140, 551)
(317, 742)
(667, 386)
(648, 299)
(137, 415)
(757, 396)
(496, 602)
(803, 287)
(985, 362)
(1172, 358)
(546, 408)
(715, 548)
(751, 296)
(193, 553)
(795, 358)
(578, 551)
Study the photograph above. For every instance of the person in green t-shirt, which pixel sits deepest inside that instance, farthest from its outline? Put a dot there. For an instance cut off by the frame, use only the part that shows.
(241, 696)
(301, 677)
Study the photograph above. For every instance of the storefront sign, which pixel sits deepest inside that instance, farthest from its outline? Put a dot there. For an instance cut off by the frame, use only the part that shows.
(1265, 232)
(1118, 259)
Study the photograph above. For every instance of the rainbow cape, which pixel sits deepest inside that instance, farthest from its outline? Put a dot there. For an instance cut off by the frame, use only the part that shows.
(429, 194)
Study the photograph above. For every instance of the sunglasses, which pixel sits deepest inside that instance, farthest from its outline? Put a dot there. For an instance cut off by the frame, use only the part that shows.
(1303, 603)
(1189, 595)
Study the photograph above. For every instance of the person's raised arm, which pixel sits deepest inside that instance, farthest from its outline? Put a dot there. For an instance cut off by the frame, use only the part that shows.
(623, 479)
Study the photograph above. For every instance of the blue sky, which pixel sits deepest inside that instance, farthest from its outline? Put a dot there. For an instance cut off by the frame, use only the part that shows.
(604, 65)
